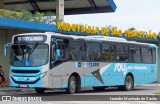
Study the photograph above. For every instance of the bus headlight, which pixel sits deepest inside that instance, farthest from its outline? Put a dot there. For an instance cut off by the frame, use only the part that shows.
(43, 75)
(10, 75)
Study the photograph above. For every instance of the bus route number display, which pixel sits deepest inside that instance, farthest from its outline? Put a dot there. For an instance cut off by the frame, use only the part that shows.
(33, 38)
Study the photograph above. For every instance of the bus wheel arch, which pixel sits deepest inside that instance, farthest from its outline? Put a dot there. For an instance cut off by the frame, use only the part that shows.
(77, 78)
(128, 83)
(130, 74)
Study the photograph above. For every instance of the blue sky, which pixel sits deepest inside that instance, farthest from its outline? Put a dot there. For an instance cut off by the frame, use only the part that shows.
(141, 14)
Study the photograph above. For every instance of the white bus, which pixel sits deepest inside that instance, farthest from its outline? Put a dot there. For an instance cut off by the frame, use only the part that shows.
(53, 60)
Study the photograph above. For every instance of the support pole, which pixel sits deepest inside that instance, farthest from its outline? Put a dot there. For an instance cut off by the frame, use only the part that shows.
(60, 10)
(2, 4)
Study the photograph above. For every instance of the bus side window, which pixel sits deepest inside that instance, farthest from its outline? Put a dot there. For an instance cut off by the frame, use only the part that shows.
(108, 52)
(146, 54)
(53, 52)
(77, 50)
(153, 55)
(134, 54)
(122, 53)
(81, 51)
(97, 52)
(70, 50)
(93, 52)
(73, 50)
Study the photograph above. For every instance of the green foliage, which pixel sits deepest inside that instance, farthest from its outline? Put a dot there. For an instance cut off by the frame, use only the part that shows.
(49, 18)
(21, 13)
(26, 15)
(157, 93)
(9, 14)
(38, 17)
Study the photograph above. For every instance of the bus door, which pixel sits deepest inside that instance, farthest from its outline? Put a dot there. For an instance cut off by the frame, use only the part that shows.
(58, 47)
(57, 51)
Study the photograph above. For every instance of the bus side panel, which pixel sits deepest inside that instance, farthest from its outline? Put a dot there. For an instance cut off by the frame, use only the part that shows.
(89, 80)
(59, 81)
(144, 73)
(151, 74)
(111, 76)
(105, 74)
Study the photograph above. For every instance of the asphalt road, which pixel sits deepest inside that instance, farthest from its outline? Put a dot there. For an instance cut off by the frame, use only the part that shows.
(87, 96)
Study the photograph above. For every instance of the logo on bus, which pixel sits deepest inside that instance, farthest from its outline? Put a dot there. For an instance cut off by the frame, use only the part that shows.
(121, 67)
(27, 62)
(86, 64)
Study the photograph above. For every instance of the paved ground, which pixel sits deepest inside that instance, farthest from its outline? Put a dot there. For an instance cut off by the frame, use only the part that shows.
(88, 96)
(81, 102)
(138, 90)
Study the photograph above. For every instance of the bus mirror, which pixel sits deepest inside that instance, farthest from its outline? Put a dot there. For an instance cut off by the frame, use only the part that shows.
(5, 51)
(5, 48)
(58, 52)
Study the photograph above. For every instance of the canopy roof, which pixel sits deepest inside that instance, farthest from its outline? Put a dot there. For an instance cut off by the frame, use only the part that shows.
(70, 6)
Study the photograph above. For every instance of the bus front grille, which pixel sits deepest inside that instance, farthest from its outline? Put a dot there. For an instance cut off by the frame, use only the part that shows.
(25, 82)
(25, 71)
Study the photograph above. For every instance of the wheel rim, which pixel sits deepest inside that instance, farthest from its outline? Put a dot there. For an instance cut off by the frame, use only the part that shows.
(129, 83)
(73, 85)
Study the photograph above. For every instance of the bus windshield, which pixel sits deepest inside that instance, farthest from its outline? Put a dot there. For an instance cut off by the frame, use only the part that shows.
(29, 54)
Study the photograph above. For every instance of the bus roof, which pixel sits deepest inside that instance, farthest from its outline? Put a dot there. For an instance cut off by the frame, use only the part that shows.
(91, 38)
(102, 38)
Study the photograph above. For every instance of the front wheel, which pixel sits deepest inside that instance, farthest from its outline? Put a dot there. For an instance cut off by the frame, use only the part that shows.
(40, 90)
(71, 85)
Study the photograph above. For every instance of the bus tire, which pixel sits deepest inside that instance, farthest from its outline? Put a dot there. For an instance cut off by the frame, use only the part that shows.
(40, 90)
(78, 89)
(99, 88)
(71, 85)
(128, 84)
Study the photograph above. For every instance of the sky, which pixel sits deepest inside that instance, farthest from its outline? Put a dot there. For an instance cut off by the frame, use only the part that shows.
(140, 14)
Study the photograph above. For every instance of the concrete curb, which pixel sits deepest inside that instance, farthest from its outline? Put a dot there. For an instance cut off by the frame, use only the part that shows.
(14, 89)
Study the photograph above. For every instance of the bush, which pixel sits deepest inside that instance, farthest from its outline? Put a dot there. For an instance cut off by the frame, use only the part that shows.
(9, 14)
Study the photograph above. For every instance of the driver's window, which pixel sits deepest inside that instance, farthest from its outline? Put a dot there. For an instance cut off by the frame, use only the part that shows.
(53, 52)
(61, 49)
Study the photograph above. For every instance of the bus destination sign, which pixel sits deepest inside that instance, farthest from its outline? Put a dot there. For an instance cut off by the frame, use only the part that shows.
(33, 38)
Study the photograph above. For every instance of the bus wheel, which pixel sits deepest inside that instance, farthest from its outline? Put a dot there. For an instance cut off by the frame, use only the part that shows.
(71, 85)
(99, 88)
(78, 85)
(128, 84)
(40, 90)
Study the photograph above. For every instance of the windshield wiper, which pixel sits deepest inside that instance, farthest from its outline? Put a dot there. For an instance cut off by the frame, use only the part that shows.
(20, 49)
(33, 48)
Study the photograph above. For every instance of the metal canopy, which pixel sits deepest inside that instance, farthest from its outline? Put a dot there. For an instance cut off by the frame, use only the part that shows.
(70, 6)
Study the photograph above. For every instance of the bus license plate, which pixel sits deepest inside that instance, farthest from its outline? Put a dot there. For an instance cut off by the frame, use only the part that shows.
(23, 85)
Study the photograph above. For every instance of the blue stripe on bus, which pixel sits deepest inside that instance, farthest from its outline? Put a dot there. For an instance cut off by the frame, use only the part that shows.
(114, 77)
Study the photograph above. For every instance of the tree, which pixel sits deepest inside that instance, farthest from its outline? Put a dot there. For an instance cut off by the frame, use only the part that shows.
(132, 28)
(21, 13)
